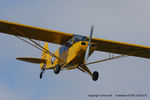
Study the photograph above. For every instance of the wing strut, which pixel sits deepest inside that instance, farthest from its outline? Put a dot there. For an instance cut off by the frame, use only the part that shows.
(116, 57)
(46, 51)
(107, 59)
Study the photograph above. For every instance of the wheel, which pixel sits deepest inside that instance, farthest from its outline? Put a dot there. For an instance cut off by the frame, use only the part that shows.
(57, 69)
(41, 74)
(95, 76)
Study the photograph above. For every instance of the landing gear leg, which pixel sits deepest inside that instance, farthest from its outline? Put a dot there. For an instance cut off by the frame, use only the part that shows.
(41, 74)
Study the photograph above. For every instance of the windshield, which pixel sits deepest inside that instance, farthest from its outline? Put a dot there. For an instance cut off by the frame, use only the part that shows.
(70, 42)
(79, 38)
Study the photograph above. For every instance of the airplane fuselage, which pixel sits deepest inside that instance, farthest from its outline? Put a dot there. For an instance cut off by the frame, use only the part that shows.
(72, 55)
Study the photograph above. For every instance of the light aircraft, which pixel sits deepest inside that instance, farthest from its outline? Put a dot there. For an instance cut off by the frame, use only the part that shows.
(74, 50)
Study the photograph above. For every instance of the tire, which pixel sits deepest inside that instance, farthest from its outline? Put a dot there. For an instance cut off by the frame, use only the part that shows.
(56, 69)
(95, 76)
(41, 74)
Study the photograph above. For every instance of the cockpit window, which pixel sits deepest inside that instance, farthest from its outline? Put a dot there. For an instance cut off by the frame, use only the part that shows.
(79, 38)
(75, 39)
(70, 42)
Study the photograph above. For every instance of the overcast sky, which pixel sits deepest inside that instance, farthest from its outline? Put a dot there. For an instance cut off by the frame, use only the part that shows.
(119, 20)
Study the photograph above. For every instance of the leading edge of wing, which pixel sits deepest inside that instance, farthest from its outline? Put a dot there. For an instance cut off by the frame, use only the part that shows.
(34, 32)
(122, 48)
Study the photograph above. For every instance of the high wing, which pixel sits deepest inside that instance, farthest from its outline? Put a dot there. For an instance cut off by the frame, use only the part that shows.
(122, 48)
(61, 37)
(34, 32)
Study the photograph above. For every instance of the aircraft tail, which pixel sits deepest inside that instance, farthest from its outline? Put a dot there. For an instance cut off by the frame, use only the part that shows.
(45, 55)
(43, 60)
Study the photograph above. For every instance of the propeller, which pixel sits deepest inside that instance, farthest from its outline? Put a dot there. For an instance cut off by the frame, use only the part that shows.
(89, 45)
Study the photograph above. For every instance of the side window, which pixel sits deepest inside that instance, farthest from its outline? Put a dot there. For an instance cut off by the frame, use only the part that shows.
(67, 44)
(61, 49)
(52, 59)
(64, 47)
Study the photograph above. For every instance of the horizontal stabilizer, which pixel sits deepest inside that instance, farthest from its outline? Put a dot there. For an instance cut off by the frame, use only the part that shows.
(32, 60)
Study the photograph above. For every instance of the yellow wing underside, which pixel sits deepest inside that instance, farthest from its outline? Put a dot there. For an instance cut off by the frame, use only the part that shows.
(61, 37)
(122, 48)
(34, 32)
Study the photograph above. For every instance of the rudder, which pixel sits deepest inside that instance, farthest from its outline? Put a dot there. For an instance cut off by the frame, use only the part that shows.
(45, 55)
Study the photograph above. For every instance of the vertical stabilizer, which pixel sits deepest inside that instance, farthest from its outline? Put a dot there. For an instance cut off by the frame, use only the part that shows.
(45, 54)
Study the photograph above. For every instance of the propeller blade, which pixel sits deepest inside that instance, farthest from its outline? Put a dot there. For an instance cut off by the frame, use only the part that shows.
(89, 45)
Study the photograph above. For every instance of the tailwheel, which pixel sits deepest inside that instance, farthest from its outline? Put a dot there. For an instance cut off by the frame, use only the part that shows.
(95, 76)
(57, 69)
(41, 74)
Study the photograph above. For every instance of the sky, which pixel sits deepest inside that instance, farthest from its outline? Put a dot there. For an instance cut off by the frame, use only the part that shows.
(119, 20)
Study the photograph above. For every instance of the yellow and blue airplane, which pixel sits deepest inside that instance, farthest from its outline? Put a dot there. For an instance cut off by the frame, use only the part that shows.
(74, 50)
